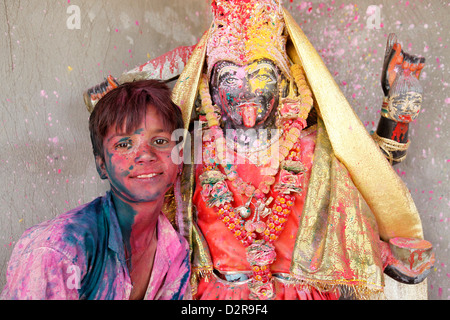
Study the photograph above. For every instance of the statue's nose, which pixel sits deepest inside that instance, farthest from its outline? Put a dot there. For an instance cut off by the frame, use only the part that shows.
(246, 92)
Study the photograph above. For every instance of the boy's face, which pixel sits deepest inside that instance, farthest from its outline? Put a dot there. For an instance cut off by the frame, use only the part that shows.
(139, 165)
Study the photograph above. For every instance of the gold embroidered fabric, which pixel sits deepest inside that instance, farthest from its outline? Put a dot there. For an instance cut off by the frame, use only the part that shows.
(186, 88)
(337, 242)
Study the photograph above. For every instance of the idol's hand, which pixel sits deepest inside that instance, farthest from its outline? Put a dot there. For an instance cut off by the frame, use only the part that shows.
(407, 260)
(397, 60)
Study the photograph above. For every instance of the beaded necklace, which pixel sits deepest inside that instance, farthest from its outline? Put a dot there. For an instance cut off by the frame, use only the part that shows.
(258, 237)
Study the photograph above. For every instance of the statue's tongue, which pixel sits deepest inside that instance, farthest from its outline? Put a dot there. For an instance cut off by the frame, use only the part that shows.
(248, 113)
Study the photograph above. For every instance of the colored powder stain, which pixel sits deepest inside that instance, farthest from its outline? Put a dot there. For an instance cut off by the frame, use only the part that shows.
(53, 140)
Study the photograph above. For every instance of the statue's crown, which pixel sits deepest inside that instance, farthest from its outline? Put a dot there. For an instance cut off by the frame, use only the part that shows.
(247, 30)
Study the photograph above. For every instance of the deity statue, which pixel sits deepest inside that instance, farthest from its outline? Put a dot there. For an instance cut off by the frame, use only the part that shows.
(292, 198)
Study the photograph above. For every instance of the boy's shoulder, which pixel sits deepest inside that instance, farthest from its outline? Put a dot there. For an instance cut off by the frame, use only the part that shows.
(66, 233)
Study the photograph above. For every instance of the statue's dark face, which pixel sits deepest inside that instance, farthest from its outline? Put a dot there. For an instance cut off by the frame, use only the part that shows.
(247, 94)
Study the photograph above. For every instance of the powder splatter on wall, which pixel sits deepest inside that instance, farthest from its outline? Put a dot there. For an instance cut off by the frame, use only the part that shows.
(49, 58)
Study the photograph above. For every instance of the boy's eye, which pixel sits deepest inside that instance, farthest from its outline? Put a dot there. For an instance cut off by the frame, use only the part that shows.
(160, 142)
(123, 145)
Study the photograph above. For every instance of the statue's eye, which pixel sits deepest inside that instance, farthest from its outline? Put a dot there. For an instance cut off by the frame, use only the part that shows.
(231, 80)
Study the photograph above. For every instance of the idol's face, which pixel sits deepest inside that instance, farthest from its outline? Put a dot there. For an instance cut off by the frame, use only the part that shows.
(139, 164)
(246, 94)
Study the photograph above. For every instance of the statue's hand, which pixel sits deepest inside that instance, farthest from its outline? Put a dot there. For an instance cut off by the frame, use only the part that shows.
(407, 260)
(396, 60)
(95, 93)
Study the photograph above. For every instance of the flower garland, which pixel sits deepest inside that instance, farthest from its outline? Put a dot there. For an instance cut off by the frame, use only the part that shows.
(256, 236)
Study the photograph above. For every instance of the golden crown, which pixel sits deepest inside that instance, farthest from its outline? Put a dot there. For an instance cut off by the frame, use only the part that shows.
(247, 30)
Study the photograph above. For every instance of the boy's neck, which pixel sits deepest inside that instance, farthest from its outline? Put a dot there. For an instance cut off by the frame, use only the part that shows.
(137, 221)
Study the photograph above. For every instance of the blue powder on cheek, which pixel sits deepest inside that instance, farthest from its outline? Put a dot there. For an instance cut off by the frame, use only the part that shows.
(110, 167)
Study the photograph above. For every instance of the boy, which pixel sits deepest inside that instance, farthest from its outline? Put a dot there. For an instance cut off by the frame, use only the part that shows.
(119, 246)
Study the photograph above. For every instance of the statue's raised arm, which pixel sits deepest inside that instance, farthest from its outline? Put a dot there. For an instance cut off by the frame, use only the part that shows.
(402, 100)
(166, 67)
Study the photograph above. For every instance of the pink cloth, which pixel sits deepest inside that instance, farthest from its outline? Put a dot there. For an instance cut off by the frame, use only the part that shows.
(218, 289)
(80, 255)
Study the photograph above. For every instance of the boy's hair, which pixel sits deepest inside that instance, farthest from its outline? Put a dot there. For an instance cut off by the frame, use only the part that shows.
(126, 107)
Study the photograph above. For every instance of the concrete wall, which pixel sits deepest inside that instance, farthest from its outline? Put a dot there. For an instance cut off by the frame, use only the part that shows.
(46, 164)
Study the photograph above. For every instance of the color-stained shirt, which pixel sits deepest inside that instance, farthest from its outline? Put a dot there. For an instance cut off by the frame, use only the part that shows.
(80, 255)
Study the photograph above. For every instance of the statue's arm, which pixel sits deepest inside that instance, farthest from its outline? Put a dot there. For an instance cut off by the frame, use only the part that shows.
(166, 67)
(406, 260)
(392, 134)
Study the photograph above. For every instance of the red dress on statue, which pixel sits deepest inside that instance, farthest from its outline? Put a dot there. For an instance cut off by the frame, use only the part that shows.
(229, 255)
